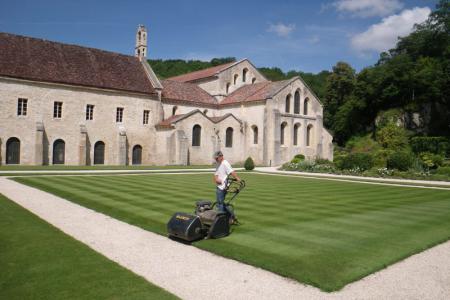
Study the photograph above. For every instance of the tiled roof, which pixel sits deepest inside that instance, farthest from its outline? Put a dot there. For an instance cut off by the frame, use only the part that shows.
(182, 91)
(42, 60)
(255, 92)
(205, 73)
(167, 123)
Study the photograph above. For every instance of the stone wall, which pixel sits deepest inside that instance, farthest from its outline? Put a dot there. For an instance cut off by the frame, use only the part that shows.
(79, 134)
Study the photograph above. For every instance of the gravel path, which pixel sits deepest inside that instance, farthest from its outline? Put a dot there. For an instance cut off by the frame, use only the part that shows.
(191, 273)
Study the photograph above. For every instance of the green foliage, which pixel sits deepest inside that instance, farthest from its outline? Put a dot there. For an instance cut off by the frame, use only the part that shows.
(316, 82)
(362, 144)
(174, 67)
(298, 158)
(431, 160)
(400, 160)
(437, 145)
(443, 171)
(356, 161)
(387, 117)
(392, 137)
(249, 164)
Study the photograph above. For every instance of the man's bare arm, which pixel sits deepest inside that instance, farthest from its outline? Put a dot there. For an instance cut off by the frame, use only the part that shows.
(234, 174)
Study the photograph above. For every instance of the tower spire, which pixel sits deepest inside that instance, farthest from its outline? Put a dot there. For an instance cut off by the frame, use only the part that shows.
(141, 42)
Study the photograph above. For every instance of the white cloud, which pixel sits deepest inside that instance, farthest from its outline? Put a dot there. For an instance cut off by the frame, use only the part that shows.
(314, 39)
(383, 36)
(281, 29)
(368, 8)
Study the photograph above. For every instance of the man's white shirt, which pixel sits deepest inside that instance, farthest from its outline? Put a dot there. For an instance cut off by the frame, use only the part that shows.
(222, 171)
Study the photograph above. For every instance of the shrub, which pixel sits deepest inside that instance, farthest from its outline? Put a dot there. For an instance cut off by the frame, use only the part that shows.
(298, 158)
(443, 171)
(362, 144)
(249, 164)
(323, 161)
(430, 160)
(356, 161)
(437, 145)
(400, 160)
(380, 157)
(392, 137)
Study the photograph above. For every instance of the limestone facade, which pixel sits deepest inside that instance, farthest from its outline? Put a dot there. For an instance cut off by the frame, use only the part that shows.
(268, 121)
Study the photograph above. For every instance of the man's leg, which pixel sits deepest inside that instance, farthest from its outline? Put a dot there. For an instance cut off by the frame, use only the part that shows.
(220, 197)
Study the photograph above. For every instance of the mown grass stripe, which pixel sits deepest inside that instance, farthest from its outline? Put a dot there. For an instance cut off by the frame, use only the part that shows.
(322, 232)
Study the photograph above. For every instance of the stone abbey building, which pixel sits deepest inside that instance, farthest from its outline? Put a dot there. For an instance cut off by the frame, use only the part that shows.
(66, 104)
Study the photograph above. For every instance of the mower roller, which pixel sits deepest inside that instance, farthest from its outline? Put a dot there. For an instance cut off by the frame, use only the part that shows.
(207, 221)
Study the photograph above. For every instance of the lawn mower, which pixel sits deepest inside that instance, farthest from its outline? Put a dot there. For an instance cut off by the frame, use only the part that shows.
(207, 221)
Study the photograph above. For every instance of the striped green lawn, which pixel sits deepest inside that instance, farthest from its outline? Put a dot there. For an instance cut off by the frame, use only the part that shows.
(321, 232)
(37, 261)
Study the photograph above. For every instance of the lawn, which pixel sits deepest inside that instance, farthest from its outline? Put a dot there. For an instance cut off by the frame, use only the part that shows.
(37, 261)
(320, 232)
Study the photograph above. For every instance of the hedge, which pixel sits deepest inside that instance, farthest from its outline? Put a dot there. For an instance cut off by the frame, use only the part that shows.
(437, 145)
(361, 161)
(401, 160)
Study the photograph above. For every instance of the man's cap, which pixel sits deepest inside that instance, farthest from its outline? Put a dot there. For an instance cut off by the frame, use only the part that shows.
(217, 154)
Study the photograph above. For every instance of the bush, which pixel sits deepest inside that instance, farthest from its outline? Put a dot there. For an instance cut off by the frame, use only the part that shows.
(430, 160)
(360, 161)
(298, 158)
(362, 144)
(443, 171)
(323, 161)
(400, 160)
(392, 137)
(249, 164)
(437, 145)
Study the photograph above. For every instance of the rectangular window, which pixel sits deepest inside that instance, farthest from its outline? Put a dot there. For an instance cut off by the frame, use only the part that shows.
(89, 112)
(57, 110)
(119, 115)
(22, 106)
(146, 116)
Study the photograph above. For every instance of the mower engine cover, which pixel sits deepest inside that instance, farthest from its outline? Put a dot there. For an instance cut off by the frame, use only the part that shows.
(185, 226)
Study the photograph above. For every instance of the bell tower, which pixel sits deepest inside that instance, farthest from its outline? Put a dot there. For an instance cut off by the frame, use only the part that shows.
(141, 42)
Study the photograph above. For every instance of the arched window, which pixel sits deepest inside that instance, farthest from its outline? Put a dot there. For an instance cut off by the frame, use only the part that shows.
(229, 137)
(99, 153)
(13, 151)
(59, 152)
(288, 103)
(255, 134)
(174, 110)
(139, 52)
(139, 35)
(205, 111)
(228, 87)
(196, 135)
(282, 132)
(297, 102)
(137, 155)
(296, 133)
(305, 106)
(235, 78)
(309, 136)
(253, 80)
(244, 75)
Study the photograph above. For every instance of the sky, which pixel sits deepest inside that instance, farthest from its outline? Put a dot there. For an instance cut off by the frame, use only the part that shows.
(308, 36)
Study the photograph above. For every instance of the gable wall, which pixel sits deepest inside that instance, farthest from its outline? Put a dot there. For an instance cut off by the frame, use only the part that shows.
(217, 87)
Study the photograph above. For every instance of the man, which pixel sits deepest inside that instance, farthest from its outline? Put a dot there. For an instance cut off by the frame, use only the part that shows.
(223, 169)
